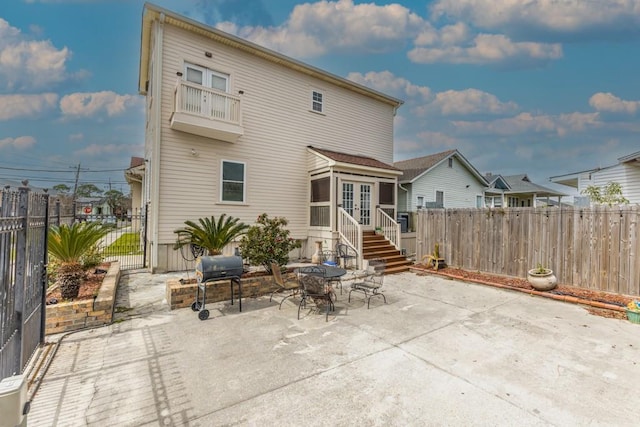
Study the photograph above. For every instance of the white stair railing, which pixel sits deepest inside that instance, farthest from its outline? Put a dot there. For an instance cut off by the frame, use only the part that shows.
(350, 232)
(390, 228)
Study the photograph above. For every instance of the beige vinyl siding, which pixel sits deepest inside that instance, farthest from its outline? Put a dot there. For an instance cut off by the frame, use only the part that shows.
(278, 127)
(627, 176)
(452, 181)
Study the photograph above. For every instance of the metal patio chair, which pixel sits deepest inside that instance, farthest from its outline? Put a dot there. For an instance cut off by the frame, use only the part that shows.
(290, 286)
(315, 289)
(372, 282)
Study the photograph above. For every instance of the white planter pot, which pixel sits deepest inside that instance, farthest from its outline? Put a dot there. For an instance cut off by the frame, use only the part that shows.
(542, 281)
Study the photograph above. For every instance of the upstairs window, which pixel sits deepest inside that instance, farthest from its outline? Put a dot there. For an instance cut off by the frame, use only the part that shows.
(317, 101)
(233, 181)
(450, 162)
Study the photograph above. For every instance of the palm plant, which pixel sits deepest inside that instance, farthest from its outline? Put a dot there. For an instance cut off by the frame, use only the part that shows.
(68, 244)
(210, 234)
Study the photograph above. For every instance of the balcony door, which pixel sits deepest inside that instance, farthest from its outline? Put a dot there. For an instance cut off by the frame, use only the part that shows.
(204, 102)
(356, 200)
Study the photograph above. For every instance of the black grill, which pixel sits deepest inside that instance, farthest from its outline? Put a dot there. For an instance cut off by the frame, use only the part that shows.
(218, 267)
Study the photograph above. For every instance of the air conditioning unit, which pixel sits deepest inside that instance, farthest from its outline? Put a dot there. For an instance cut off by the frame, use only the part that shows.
(13, 399)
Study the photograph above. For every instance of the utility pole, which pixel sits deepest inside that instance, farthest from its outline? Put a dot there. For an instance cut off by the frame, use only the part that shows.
(75, 189)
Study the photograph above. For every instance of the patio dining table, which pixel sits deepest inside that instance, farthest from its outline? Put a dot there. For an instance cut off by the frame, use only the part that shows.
(328, 271)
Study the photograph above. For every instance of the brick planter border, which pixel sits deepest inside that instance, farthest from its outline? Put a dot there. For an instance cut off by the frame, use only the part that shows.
(73, 315)
(564, 298)
(183, 295)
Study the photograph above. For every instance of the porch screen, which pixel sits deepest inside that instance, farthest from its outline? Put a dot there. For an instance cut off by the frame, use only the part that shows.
(386, 193)
(320, 190)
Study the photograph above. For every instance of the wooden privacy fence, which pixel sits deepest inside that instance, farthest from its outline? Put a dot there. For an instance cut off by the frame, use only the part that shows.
(595, 248)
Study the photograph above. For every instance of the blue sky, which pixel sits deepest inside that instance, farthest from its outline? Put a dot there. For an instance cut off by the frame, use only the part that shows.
(543, 87)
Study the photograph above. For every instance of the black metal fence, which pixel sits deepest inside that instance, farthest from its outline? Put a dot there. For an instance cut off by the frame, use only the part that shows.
(23, 260)
(126, 240)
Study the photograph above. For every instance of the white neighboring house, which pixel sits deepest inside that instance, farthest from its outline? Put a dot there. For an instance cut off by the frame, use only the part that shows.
(626, 173)
(441, 180)
(234, 128)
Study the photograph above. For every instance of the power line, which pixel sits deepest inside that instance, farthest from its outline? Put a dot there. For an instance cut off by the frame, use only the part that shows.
(61, 171)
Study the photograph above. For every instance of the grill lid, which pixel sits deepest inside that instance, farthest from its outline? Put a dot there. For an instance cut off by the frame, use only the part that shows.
(218, 267)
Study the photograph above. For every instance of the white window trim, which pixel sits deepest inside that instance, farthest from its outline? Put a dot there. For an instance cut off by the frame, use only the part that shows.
(244, 182)
(206, 74)
(311, 101)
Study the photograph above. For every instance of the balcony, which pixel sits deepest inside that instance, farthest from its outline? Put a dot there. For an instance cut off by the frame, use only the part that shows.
(206, 112)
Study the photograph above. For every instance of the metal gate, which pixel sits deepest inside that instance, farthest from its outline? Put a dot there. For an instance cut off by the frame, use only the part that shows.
(23, 259)
(126, 240)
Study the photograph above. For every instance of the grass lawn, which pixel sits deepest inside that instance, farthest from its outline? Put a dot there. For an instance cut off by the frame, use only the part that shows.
(126, 244)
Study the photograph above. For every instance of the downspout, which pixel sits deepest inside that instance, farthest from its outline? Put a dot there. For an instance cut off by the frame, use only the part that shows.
(155, 158)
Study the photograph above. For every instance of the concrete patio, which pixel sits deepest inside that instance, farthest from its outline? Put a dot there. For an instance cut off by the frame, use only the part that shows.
(439, 353)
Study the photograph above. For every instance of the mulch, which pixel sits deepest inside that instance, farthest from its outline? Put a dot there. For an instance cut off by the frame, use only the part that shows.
(88, 289)
(519, 283)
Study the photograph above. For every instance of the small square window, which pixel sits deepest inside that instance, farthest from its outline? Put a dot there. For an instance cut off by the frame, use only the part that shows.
(317, 101)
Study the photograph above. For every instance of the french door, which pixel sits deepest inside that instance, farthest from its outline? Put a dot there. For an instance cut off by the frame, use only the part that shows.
(356, 200)
(208, 103)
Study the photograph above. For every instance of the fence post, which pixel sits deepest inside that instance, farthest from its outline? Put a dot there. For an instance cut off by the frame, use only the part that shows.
(57, 212)
(21, 266)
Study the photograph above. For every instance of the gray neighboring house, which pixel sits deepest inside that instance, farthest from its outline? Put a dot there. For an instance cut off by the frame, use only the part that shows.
(518, 191)
(626, 173)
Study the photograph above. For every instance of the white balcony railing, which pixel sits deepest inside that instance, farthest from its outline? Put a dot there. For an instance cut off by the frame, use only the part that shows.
(206, 112)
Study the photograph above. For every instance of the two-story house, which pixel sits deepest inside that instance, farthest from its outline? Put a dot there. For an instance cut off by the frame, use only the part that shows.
(235, 128)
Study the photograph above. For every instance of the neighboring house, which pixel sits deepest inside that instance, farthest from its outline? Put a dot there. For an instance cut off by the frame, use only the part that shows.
(517, 191)
(626, 173)
(442, 180)
(135, 178)
(91, 207)
(234, 128)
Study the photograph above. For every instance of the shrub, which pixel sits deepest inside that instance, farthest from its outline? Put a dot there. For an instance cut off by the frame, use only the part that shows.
(210, 234)
(268, 241)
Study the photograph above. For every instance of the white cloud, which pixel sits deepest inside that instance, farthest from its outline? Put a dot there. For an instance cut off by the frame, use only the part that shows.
(612, 104)
(30, 64)
(76, 136)
(485, 49)
(387, 82)
(95, 150)
(545, 18)
(314, 29)
(527, 123)
(88, 104)
(28, 106)
(469, 101)
(21, 142)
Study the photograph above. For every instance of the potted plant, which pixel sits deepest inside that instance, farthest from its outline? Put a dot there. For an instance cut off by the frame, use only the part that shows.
(542, 278)
(433, 259)
(633, 311)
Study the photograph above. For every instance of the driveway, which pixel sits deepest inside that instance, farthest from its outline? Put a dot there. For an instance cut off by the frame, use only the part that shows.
(440, 352)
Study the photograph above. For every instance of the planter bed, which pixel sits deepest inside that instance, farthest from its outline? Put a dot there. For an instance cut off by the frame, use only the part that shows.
(598, 302)
(80, 314)
(181, 294)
